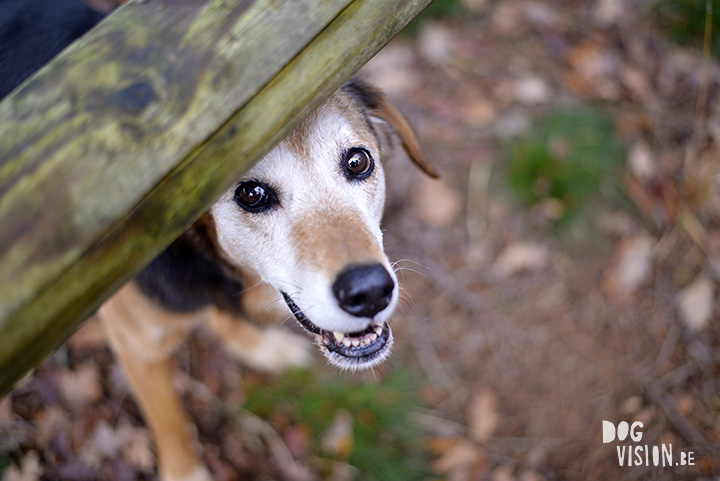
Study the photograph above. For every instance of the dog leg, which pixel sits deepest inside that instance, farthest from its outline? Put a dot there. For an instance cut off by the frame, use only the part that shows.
(266, 349)
(144, 337)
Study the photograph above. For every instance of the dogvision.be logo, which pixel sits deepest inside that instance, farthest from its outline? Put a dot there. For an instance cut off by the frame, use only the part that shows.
(634, 454)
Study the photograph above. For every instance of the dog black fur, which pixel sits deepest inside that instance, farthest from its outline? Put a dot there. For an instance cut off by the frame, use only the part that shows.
(32, 32)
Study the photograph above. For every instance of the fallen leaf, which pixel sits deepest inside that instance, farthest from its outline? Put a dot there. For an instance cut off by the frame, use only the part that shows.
(49, 422)
(435, 43)
(641, 161)
(630, 267)
(631, 405)
(608, 12)
(459, 458)
(80, 387)
(696, 303)
(637, 83)
(593, 71)
(532, 90)
(505, 18)
(338, 440)
(514, 123)
(482, 416)
(685, 403)
(503, 473)
(521, 256)
(30, 469)
(391, 69)
(476, 6)
(91, 335)
(437, 203)
(477, 111)
(529, 476)
(136, 446)
(102, 444)
(542, 15)
(6, 415)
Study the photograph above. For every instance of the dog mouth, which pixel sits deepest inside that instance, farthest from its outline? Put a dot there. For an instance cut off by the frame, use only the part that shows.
(348, 350)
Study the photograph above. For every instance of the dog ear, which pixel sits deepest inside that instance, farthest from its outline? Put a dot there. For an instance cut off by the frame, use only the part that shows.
(379, 106)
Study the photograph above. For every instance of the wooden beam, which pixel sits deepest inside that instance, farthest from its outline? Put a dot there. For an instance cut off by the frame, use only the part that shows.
(115, 147)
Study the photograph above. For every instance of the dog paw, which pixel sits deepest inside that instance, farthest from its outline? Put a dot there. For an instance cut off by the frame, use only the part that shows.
(278, 350)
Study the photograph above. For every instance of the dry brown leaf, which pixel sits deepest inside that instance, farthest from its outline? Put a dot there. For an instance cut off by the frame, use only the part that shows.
(102, 444)
(685, 403)
(108, 443)
(6, 415)
(630, 268)
(392, 69)
(618, 224)
(30, 469)
(477, 111)
(514, 123)
(608, 12)
(482, 416)
(49, 422)
(136, 446)
(435, 43)
(697, 303)
(506, 18)
(503, 473)
(636, 81)
(532, 90)
(521, 256)
(631, 405)
(338, 440)
(641, 161)
(593, 71)
(476, 5)
(91, 335)
(529, 476)
(437, 203)
(459, 458)
(81, 387)
(542, 15)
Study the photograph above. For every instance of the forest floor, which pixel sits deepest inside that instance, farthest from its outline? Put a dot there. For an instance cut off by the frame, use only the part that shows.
(563, 272)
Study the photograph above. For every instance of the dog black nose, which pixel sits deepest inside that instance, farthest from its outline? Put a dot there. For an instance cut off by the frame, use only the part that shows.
(363, 291)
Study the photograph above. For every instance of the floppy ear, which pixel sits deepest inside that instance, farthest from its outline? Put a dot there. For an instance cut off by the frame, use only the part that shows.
(379, 106)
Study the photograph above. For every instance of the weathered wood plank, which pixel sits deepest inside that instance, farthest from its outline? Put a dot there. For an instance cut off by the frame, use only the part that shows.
(149, 151)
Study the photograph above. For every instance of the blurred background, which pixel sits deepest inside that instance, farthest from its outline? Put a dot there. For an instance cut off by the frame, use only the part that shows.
(562, 272)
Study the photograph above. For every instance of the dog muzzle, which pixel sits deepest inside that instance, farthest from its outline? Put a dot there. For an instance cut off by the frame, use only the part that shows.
(348, 350)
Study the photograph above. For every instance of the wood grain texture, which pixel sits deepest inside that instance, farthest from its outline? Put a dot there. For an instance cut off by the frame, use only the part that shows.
(113, 149)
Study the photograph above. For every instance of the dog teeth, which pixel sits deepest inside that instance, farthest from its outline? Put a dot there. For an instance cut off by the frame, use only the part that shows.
(348, 341)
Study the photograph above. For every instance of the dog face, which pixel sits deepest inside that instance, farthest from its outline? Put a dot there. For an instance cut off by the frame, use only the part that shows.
(306, 219)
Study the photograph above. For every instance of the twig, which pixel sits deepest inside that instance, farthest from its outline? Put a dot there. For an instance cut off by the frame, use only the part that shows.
(277, 446)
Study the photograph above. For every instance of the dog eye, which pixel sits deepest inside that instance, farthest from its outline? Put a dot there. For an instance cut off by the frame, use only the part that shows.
(358, 164)
(254, 196)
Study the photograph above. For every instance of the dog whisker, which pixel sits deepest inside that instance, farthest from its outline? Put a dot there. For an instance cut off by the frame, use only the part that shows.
(404, 292)
(287, 318)
(248, 289)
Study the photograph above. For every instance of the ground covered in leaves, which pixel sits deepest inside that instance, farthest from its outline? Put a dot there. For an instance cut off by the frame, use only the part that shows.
(563, 272)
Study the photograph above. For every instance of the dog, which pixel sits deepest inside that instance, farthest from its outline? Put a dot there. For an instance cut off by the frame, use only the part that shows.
(298, 234)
